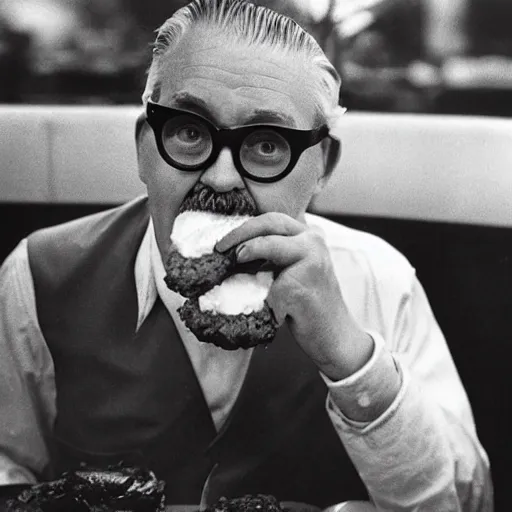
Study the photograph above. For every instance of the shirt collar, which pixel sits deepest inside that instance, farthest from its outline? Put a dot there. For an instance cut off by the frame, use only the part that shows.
(144, 276)
(149, 279)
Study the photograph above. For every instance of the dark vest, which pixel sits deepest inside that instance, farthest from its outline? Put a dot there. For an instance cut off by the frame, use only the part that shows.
(133, 396)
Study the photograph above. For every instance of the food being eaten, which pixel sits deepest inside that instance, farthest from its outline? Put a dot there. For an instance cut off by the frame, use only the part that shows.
(226, 306)
(191, 277)
(118, 488)
(229, 332)
(193, 265)
(247, 503)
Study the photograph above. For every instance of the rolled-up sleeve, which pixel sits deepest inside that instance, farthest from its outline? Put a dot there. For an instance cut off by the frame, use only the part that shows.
(422, 453)
(27, 384)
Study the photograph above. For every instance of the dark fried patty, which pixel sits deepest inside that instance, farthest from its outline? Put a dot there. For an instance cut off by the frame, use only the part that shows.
(89, 490)
(229, 332)
(192, 277)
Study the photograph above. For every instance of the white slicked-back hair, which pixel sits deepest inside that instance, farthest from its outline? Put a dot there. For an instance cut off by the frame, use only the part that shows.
(248, 24)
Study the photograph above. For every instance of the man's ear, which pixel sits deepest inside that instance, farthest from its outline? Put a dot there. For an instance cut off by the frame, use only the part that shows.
(141, 127)
(332, 155)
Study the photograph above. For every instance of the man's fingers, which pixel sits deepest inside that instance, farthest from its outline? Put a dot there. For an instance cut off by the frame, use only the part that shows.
(280, 250)
(262, 225)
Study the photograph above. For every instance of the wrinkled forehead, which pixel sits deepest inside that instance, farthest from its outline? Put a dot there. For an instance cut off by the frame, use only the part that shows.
(233, 79)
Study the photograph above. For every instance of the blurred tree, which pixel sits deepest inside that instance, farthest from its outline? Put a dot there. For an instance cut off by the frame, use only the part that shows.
(489, 27)
(375, 46)
(445, 28)
(151, 14)
(14, 62)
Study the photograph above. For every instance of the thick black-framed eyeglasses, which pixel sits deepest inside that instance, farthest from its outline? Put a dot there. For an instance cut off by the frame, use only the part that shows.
(262, 153)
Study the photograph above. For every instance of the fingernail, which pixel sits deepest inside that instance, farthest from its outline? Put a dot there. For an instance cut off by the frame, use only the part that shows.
(241, 253)
(219, 246)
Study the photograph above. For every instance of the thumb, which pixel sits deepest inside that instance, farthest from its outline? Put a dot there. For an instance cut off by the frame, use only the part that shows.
(276, 306)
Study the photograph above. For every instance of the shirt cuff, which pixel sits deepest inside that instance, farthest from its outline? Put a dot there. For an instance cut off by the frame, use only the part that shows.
(362, 394)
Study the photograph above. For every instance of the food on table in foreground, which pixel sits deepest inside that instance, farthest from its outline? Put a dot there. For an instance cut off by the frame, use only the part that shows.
(225, 306)
(118, 488)
(247, 503)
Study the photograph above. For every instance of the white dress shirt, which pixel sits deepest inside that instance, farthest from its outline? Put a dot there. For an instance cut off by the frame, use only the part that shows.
(421, 454)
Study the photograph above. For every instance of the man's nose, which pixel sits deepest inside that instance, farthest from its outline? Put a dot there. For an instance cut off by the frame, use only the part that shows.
(222, 175)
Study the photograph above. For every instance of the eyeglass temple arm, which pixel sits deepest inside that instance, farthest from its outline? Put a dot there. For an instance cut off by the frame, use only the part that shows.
(334, 154)
(139, 124)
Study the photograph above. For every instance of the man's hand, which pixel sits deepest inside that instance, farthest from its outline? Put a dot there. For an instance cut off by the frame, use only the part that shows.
(306, 292)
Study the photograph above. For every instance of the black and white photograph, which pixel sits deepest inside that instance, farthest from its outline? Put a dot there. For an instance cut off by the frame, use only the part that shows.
(256, 255)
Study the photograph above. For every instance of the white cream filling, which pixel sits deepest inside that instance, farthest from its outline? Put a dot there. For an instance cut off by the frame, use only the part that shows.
(195, 233)
(239, 293)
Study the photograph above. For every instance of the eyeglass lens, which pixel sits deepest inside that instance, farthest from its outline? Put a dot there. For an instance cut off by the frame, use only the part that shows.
(187, 141)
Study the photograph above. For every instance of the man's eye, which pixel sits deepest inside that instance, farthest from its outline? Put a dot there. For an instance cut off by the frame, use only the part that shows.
(265, 153)
(189, 134)
(266, 148)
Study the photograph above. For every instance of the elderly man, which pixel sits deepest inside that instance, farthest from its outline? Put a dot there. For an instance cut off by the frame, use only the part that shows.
(357, 398)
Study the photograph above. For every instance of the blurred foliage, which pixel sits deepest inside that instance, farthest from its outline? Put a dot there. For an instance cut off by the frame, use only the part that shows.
(101, 49)
(489, 27)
